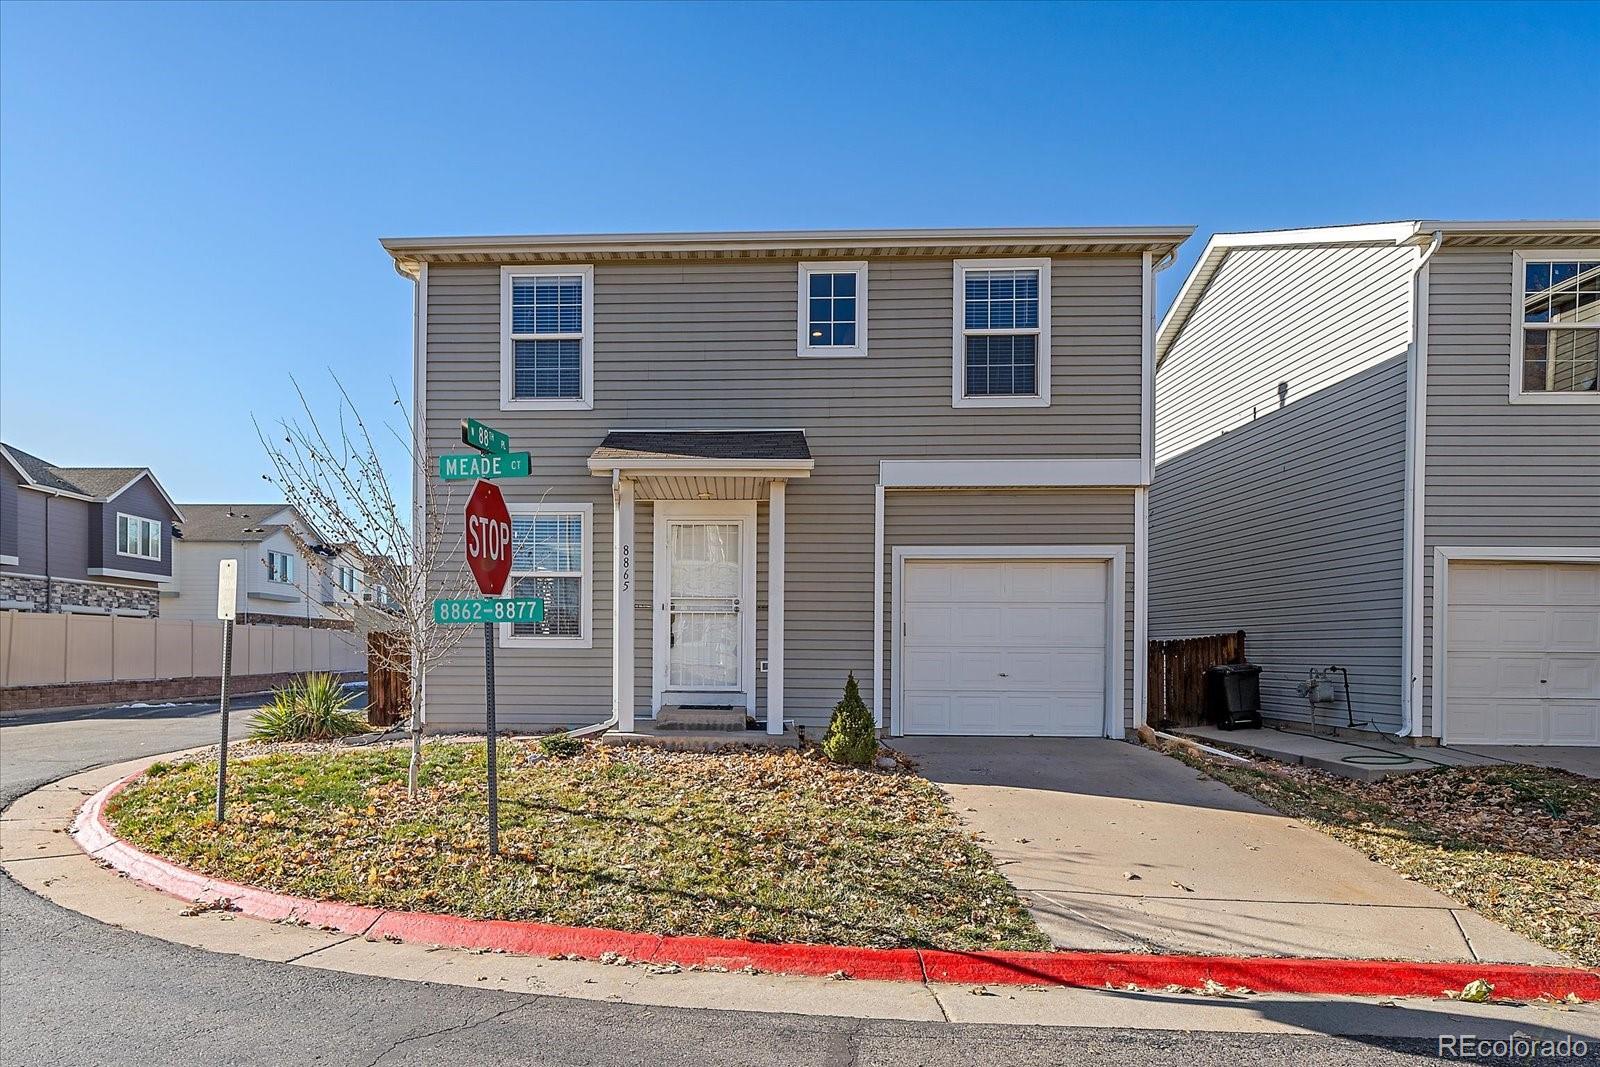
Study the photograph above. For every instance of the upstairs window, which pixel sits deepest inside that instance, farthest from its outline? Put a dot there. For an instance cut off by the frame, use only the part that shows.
(833, 309)
(547, 341)
(280, 567)
(347, 579)
(1002, 333)
(1559, 333)
(138, 538)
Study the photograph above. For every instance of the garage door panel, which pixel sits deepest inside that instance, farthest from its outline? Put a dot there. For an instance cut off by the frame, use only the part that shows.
(1004, 647)
(1575, 583)
(1523, 654)
(1575, 722)
(977, 584)
(1575, 675)
(1575, 630)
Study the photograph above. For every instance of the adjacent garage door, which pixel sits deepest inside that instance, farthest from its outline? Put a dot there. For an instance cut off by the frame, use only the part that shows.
(1523, 663)
(1004, 647)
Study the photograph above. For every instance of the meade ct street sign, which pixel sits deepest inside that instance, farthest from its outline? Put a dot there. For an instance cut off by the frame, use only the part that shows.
(484, 465)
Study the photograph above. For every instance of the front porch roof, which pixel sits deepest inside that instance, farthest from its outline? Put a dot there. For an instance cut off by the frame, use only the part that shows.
(751, 453)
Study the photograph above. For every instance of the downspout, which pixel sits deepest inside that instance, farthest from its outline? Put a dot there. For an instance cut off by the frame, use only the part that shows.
(1141, 493)
(1416, 474)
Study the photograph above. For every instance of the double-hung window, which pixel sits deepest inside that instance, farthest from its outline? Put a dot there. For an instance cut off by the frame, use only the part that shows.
(280, 567)
(137, 537)
(550, 558)
(547, 337)
(833, 309)
(1002, 333)
(1556, 323)
(347, 579)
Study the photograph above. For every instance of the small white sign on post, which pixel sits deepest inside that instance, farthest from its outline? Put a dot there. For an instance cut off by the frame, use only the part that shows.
(227, 589)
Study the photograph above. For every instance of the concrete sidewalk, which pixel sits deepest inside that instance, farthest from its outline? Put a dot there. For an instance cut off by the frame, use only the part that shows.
(1214, 872)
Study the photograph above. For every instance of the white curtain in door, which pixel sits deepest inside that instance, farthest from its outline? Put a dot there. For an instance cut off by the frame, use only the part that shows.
(706, 579)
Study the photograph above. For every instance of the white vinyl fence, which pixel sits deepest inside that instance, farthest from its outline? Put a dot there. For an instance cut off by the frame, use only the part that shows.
(40, 649)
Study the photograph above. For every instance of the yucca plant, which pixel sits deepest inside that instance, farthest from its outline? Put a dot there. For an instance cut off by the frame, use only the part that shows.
(313, 707)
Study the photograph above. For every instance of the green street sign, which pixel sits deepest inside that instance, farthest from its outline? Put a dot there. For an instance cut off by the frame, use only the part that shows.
(474, 610)
(484, 438)
(484, 465)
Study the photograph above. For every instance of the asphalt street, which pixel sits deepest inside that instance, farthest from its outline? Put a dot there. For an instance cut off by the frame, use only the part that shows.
(74, 991)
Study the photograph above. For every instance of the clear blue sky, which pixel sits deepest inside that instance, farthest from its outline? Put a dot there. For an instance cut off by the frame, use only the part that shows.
(191, 196)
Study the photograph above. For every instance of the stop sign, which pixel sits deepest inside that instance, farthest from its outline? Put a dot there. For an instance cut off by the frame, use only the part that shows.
(488, 538)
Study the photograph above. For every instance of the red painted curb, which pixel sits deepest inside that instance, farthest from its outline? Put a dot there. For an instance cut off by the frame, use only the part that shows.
(1093, 970)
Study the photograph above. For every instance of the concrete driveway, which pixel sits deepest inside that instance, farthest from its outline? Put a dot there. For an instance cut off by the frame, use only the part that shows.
(1070, 820)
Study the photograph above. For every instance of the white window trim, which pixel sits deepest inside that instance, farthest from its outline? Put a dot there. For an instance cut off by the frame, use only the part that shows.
(1519, 260)
(585, 638)
(958, 369)
(508, 341)
(803, 328)
(138, 518)
(288, 567)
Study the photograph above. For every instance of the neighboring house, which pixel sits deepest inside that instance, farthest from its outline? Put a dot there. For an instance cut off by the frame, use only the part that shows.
(82, 539)
(277, 582)
(764, 460)
(1378, 448)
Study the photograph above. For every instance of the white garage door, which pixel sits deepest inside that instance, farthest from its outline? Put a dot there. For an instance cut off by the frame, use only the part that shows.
(1004, 647)
(1523, 664)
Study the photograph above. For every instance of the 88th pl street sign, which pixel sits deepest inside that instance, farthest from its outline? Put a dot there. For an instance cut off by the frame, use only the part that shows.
(488, 532)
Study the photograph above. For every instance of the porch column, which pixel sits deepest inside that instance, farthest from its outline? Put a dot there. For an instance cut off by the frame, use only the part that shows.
(622, 602)
(775, 524)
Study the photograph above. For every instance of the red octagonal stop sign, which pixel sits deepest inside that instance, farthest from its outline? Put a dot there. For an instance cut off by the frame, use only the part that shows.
(488, 538)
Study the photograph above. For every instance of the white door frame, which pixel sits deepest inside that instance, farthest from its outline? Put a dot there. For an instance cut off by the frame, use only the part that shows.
(1115, 558)
(666, 512)
(1442, 557)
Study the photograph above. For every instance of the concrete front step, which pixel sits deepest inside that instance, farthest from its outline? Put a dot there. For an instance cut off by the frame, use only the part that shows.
(700, 719)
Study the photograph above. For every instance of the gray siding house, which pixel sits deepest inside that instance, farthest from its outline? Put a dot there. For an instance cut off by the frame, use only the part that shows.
(82, 539)
(1378, 448)
(762, 461)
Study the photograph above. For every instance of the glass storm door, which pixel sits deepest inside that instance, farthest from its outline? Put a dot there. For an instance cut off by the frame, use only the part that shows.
(704, 627)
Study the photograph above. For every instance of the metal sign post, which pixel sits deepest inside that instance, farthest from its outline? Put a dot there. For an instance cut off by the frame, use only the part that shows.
(488, 527)
(494, 783)
(227, 611)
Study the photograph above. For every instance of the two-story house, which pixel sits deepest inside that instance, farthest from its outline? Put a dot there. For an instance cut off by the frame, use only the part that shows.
(1378, 449)
(82, 539)
(287, 576)
(764, 460)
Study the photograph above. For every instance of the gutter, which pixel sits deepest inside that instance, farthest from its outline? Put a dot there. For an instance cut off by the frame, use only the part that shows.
(1416, 477)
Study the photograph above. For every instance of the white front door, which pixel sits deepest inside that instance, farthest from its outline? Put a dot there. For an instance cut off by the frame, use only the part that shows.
(705, 586)
(1523, 654)
(705, 610)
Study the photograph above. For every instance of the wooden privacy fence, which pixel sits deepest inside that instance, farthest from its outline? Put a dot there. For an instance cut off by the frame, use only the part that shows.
(388, 678)
(49, 649)
(1178, 675)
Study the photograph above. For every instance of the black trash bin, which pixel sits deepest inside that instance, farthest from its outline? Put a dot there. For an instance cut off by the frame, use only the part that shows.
(1233, 695)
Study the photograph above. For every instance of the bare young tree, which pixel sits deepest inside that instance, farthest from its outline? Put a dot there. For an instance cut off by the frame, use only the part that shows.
(332, 474)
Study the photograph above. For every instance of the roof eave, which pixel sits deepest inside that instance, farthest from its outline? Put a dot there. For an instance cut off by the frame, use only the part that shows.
(410, 252)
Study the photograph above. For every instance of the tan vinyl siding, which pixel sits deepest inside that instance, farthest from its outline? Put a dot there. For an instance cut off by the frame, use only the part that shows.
(1291, 529)
(1303, 317)
(1287, 521)
(709, 344)
(1008, 519)
(1498, 474)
